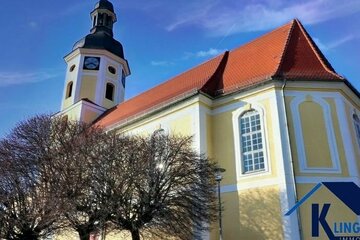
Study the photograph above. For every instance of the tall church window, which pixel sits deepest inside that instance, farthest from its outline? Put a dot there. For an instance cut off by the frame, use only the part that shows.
(109, 91)
(69, 89)
(357, 127)
(251, 138)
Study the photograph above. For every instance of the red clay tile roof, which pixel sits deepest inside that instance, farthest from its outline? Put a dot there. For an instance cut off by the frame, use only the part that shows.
(287, 52)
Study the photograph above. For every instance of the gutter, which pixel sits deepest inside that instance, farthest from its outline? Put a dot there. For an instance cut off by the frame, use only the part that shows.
(290, 154)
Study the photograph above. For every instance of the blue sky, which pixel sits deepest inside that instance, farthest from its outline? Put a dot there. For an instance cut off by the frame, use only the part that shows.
(161, 39)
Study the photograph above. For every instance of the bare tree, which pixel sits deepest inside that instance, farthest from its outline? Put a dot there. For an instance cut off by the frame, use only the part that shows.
(46, 179)
(29, 205)
(76, 175)
(166, 188)
(56, 174)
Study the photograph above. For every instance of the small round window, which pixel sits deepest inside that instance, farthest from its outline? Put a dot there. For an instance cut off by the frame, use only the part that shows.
(112, 69)
(72, 68)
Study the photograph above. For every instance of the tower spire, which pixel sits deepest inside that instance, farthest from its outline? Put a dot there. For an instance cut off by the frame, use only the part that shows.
(97, 69)
(103, 17)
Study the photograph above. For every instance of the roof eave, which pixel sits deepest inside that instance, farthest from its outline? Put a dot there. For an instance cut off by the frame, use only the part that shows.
(150, 112)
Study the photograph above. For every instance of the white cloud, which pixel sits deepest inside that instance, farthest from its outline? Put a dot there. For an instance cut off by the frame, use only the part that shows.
(342, 41)
(161, 63)
(334, 44)
(208, 53)
(217, 18)
(320, 44)
(16, 78)
(192, 15)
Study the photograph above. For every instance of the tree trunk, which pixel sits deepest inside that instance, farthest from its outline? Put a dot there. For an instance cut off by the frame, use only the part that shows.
(84, 234)
(29, 235)
(135, 234)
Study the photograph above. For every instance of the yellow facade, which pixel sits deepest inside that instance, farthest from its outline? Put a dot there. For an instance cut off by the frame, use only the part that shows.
(252, 206)
(255, 204)
(276, 140)
(88, 87)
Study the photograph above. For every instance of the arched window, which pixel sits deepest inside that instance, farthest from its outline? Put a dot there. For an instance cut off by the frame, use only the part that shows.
(251, 138)
(109, 91)
(69, 89)
(357, 127)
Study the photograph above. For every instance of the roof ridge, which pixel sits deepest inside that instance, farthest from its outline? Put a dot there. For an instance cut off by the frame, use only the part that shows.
(327, 66)
(285, 48)
(260, 37)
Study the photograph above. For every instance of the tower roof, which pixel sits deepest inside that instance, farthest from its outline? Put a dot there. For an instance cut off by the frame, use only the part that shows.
(101, 40)
(104, 4)
(101, 36)
(287, 52)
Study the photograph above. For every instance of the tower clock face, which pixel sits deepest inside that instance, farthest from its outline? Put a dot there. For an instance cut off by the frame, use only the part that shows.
(91, 63)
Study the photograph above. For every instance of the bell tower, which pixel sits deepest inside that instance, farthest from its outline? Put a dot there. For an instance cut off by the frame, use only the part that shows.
(96, 69)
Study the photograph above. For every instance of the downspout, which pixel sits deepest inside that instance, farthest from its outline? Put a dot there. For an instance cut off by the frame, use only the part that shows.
(290, 154)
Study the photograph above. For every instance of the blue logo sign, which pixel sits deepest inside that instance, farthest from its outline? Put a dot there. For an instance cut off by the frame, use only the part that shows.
(349, 194)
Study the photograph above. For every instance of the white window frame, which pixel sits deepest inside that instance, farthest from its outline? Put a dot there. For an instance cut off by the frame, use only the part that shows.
(238, 145)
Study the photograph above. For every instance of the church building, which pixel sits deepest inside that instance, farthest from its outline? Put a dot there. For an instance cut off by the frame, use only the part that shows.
(274, 113)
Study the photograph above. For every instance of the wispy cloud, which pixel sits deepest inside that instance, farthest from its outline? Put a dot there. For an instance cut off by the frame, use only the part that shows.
(33, 24)
(335, 43)
(162, 63)
(203, 54)
(217, 18)
(187, 55)
(16, 78)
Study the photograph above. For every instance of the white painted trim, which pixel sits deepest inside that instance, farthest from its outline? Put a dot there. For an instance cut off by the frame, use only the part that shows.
(101, 52)
(78, 80)
(196, 128)
(100, 75)
(203, 129)
(200, 140)
(240, 103)
(93, 106)
(347, 138)
(237, 141)
(71, 76)
(312, 180)
(304, 168)
(303, 94)
(290, 224)
(254, 93)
